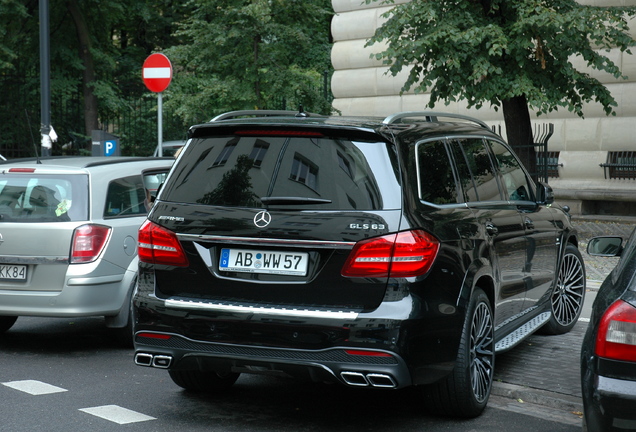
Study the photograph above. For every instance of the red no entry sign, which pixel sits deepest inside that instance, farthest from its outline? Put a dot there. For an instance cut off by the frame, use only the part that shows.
(157, 72)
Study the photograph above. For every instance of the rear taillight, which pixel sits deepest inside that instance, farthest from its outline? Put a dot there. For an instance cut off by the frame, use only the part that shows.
(88, 243)
(405, 254)
(616, 337)
(158, 245)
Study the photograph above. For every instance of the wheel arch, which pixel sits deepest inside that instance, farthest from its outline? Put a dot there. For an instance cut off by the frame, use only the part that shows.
(130, 277)
(479, 274)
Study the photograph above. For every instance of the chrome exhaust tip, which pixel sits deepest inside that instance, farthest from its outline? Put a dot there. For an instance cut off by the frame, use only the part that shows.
(354, 379)
(161, 361)
(143, 359)
(381, 380)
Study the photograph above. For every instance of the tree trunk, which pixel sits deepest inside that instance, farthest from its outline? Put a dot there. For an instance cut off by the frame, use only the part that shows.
(88, 75)
(519, 132)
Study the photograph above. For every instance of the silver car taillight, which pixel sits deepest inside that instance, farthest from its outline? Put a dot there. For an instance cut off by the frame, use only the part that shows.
(88, 243)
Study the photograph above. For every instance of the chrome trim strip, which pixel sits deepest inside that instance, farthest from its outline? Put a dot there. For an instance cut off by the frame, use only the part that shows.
(612, 387)
(33, 260)
(306, 313)
(268, 241)
(98, 280)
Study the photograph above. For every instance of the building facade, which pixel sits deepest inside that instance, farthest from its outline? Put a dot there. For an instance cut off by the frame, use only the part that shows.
(593, 159)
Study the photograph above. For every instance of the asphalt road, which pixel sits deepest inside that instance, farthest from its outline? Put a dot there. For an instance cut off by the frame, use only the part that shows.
(70, 375)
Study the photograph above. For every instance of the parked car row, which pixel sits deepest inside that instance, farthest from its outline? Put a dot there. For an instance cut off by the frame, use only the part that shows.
(381, 253)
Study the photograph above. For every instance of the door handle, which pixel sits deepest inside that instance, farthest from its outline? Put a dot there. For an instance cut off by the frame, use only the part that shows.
(491, 229)
(529, 223)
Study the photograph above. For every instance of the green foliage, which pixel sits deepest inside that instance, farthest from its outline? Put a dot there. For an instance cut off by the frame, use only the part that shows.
(12, 13)
(489, 51)
(226, 55)
(250, 54)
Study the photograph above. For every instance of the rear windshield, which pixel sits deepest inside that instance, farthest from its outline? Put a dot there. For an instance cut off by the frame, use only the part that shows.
(43, 198)
(287, 172)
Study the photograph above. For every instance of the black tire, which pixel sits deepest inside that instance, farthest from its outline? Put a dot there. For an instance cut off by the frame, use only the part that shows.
(465, 392)
(203, 381)
(6, 322)
(568, 295)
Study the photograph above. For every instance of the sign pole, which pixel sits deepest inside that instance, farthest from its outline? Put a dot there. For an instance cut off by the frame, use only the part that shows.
(157, 74)
(45, 79)
(160, 123)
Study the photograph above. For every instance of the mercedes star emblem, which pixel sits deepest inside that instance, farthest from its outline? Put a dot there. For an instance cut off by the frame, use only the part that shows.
(262, 219)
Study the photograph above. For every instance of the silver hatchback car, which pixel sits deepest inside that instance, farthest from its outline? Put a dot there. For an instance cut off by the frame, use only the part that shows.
(68, 235)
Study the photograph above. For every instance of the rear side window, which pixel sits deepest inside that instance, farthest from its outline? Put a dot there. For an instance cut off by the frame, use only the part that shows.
(293, 172)
(43, 198)
(478, 176)
(126, 197)
(437, 182)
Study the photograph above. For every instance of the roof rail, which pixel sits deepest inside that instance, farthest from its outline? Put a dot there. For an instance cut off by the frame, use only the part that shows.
(431, 116)
(261, 113)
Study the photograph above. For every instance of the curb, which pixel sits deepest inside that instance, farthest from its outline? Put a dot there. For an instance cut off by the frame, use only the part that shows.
(554, 400)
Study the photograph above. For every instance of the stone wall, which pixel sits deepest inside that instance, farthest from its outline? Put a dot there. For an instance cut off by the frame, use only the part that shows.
(361, 87)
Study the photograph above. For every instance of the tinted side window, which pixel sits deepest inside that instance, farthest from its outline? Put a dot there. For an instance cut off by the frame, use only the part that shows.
(437, 182)
(474, 159)
(126, 197)
(514, 178)
(342, 174)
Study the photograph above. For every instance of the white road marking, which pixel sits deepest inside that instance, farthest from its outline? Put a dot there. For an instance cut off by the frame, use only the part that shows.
(117, 414)
(34, 387)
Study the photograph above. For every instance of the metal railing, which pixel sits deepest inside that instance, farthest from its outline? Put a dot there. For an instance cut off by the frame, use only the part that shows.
(620, 165)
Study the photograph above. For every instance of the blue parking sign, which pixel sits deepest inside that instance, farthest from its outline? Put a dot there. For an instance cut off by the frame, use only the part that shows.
(110, 147)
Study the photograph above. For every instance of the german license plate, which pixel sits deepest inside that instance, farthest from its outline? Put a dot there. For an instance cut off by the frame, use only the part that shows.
(13, 272)
(269, 262)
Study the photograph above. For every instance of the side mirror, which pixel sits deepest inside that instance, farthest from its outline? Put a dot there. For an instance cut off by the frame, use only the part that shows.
(609, 246)
(545, 194)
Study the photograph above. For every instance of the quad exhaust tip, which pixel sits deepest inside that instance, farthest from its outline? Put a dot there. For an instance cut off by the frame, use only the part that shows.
(151, 360)
(360, 379)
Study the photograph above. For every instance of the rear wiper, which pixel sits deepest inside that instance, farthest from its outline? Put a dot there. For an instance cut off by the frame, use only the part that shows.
(294, 200)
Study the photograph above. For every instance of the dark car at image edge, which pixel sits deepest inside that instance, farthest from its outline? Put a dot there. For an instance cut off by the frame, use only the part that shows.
(385, 253)
(608, 352)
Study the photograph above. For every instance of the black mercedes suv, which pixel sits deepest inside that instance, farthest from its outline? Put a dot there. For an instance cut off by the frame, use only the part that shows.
(404, 251)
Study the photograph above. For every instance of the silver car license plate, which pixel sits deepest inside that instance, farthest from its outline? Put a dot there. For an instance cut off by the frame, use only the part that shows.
(269, 262)
(13, 272)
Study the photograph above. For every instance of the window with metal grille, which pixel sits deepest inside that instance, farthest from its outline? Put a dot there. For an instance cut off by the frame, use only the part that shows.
(548, 163)
(620, 165)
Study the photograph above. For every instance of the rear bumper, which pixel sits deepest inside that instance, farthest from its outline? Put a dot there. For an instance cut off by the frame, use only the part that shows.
(101, 296)
(327, 365)
(98, 288)
(617, 397)
(411, 345)
(608, 403)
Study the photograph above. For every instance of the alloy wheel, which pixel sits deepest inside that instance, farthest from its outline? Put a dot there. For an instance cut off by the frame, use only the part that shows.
(482, 353)
(567, 298)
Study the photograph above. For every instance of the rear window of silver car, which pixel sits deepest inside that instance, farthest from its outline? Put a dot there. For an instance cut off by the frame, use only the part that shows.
(335, 174)
(43, 198)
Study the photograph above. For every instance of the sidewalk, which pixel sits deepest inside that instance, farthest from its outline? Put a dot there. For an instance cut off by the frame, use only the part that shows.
(544, 370)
